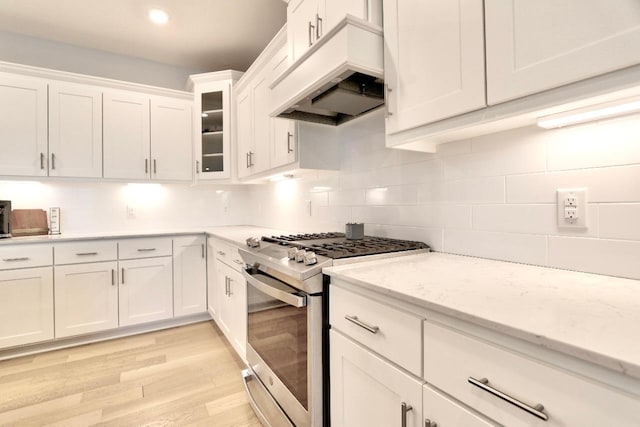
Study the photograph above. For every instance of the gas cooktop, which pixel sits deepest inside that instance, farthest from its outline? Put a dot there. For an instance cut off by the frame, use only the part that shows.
(337, 246)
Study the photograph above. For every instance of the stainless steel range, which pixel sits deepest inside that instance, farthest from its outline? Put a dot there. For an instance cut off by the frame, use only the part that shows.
(287, 321)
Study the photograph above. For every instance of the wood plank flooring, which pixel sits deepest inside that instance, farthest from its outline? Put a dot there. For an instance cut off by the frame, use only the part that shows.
(185, 376)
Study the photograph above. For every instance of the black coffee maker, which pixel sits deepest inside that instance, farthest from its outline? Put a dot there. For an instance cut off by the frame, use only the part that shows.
(5, 218)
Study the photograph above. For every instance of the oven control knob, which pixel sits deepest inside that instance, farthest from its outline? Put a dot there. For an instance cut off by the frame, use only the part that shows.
(252, 242)
(291, 253)
(300, 255)
(310, 258)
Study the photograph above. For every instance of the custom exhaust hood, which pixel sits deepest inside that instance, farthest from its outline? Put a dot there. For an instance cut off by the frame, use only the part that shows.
(338, 79)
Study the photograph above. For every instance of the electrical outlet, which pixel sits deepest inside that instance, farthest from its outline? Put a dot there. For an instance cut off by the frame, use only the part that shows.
(572, 208)
(131, 212)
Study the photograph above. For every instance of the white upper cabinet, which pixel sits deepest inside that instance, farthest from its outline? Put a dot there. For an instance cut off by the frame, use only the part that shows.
(434, 60)
(23, 126)
(75, 130)
(244, 122)
(533, 46)
(127, 144)
(171, 136)
(259, 158)
(283, 144)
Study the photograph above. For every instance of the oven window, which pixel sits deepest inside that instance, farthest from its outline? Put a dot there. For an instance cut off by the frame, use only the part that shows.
(278, 333)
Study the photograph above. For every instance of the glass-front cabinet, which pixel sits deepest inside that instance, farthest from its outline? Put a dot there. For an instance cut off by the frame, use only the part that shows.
(212, 96)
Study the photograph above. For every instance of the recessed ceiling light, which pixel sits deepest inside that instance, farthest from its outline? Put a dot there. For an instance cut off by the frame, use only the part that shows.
(158, 16)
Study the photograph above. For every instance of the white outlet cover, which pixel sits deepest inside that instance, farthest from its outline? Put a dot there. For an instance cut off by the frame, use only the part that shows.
(564, 196)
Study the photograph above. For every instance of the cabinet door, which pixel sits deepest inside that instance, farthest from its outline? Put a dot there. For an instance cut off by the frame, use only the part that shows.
(212, 112)
(171, 152)
(126, 135)
(190, 276)
(368, 391)
(434, 60)
(26, 306)
(225, 306)
(75, 130)
(146, 290)
(442, 411)
(244, 132)
(538, 45)
(283, 142)
(23, 126)
(86, 298)
(260, 157)
(301, 26)
(238, 297)
(213, 284)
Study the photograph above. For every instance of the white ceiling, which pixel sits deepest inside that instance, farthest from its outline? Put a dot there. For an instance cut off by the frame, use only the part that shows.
(201, 34)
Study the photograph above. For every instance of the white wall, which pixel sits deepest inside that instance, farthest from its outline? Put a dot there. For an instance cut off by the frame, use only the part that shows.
(102, 207)
(492, 196)
(38, 52)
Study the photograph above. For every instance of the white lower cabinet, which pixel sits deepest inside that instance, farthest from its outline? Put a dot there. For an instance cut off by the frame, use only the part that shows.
(146, 290)
(189, 275)
(26, 306)
(369, 391)
(86, 298)
(212, 281)
(439, 410)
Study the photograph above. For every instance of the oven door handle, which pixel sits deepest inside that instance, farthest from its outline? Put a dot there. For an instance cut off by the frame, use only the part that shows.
(286, 297)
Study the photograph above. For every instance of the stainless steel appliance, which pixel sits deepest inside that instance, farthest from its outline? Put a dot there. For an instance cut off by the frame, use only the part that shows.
(287, 331)
(5, 218)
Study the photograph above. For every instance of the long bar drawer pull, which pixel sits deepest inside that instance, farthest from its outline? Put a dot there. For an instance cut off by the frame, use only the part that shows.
(404, 408)
(536, 410)
(355, 320)
(146, 249)
(86, 253)
(26, 258)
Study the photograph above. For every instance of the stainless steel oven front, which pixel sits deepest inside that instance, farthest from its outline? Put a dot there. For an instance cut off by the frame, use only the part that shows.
(284, 350)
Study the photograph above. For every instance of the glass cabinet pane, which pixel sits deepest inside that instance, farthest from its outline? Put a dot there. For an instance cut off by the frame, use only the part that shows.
(212, 132)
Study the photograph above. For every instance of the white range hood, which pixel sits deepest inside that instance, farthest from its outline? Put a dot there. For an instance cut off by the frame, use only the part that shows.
(338, 79)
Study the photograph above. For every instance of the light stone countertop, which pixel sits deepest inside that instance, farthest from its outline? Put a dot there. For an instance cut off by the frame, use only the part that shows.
(236, 234)
(592, 317)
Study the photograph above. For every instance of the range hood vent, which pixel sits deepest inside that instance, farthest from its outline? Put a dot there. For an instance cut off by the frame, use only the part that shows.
(338, 79)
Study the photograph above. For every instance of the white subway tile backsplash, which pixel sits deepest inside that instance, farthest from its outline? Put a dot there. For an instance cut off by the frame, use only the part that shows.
(528, 219)
(477, 190)
(396, 195)
(429, 235)
(620, 221)
(347, 198)
(612, 257)
(604, 185)
(523, 248)
(453, 216)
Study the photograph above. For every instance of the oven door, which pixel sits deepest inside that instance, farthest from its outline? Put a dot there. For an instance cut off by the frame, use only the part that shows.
(284, 344)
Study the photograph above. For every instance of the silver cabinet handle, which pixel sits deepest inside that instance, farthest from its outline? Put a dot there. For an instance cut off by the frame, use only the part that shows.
(26, 258)
(289, 137)
(387, 91)
(404, 408)
(203, 251)
(155, 166)
(113, 277)
(221, 253)
(318, 26)
(356, 321)
(311, 31)
(248, 165)
(237, 261)
(535, 410)
(122, 278)
(251, 159)
(53, 161)
(86, 253)
(41, 160)
(197, 166)
(429, 423)
(146, 165)
(230, 293)
(146, 249)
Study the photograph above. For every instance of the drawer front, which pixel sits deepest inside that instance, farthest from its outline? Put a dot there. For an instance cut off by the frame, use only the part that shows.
(439, 410)
(228, 254)
(145, 248)
(386, 330)
(23, 256)
(82, 252)
(452, 360)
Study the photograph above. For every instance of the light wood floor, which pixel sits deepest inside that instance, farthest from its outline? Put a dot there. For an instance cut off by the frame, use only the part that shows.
(186, 376)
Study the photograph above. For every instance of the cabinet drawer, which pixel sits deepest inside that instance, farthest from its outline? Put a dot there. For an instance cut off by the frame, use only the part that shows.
(23, 256)
(229, 255)
(388, 331)
(453, 360)
(82, 252)
(145, 248)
